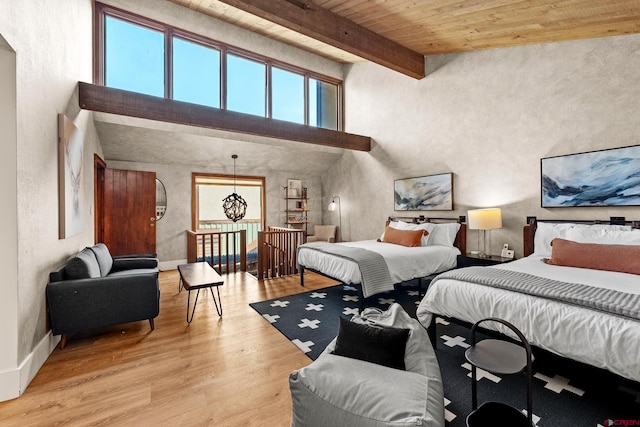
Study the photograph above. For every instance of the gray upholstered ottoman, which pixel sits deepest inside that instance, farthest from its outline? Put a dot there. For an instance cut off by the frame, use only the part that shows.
(342, 391)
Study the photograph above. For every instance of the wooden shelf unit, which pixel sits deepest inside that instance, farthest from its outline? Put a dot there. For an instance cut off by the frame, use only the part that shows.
(296, 210)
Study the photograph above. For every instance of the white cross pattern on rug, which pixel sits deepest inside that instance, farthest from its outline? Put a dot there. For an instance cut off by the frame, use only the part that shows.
(306, 323)
(349, 288)
(455, 341)
(448, 415)
(271, 318)
(441, 321)
(534, 418)
(318, 295)
(348, 298)
(350, 311)
(304, 346)
(316, 307)
(481, 373)
(412, 293)
(386, 301)
(558, 383)
(278, 303)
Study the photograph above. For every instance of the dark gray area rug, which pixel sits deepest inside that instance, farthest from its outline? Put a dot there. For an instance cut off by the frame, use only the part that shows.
(565, 393)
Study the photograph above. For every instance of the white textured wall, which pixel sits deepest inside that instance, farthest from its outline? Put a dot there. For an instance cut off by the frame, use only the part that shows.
(53, 51)
(488, 117)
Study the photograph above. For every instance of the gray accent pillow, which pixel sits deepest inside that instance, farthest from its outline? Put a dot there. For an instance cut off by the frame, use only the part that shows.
(105, 260)
(83, 265)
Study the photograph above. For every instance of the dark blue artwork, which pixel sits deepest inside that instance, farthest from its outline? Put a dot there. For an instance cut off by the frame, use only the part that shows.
(433, 192)
(599, 178)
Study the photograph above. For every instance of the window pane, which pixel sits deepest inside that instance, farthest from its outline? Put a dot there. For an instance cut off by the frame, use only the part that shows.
(246, 86)
(287, 95)
(196, 73)
(323, 104)
(134, 57)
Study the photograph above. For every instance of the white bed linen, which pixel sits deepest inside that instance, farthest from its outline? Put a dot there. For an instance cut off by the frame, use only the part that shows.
(404, 263)
(589, 336)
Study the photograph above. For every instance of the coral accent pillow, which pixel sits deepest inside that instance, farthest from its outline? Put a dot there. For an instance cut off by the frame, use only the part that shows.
(409, 238)
(620, 258)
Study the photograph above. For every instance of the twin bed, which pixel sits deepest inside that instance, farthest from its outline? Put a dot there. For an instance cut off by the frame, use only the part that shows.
(585, 314)
(591, 315)
(360, 263)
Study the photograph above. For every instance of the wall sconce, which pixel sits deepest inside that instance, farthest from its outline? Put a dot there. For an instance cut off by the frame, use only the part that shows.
(483, 220)
(332, 207)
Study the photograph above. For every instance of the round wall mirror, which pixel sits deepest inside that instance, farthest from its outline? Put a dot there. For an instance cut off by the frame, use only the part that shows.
(161, 199)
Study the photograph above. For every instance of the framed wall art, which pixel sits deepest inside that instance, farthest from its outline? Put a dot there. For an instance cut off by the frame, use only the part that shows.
(294, 188)
(70, 168)
(425, 193)
(597, 178)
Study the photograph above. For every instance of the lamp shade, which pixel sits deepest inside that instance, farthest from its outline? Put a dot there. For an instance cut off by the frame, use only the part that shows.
(485, 219)
(333, 205)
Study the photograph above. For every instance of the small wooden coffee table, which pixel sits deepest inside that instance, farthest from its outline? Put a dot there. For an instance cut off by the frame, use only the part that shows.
(199, 275)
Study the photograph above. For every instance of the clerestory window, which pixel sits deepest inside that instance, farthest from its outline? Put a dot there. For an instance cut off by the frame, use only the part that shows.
(145, 56)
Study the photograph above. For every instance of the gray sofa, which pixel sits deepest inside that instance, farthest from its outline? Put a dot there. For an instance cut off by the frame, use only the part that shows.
(94, 289)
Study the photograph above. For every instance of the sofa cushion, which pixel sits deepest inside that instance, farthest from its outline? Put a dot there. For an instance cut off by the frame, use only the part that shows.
(82, 265)
(105, 261)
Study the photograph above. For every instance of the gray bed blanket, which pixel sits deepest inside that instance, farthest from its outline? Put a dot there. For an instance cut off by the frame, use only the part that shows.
(607, 300)
(373, 268)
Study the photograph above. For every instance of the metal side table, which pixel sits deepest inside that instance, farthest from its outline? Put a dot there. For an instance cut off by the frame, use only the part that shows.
(499, 357)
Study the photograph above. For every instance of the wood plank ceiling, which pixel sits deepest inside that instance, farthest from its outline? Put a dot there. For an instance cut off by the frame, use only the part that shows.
(445, 26)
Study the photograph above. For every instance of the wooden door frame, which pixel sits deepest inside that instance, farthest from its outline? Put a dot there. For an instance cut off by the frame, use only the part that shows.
(99, 166)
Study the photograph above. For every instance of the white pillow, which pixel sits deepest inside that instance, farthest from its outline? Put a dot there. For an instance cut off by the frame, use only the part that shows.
(441, 234)
(604, 236)
(547, 231)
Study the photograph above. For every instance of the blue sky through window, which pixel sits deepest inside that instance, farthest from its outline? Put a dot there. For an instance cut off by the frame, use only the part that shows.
(135, 61)
(287, 98)
(246, 86)
(196, 73)
(134, 57)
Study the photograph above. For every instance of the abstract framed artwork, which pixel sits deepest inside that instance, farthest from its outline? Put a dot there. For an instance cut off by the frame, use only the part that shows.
(598, 178)
(425, 193)
(70, 188)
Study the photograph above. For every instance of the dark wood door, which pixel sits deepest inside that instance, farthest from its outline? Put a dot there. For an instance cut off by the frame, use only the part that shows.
(129, 211)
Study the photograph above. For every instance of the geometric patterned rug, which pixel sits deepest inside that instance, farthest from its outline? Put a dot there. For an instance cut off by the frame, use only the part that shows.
(565, 393)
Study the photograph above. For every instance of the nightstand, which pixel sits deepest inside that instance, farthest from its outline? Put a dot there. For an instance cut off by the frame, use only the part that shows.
(470, 260)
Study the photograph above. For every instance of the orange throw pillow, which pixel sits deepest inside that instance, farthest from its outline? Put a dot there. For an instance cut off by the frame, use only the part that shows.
(409, 238)
(620, 258)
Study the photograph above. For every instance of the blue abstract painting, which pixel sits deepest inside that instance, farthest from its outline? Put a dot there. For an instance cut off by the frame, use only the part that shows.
(433, 192)
(598, 178)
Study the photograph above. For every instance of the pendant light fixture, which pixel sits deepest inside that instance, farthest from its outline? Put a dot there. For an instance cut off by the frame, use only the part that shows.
(234, 205)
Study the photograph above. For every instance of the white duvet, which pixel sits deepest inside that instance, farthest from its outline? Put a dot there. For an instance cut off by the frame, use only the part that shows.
(404, 263)
(593, 337)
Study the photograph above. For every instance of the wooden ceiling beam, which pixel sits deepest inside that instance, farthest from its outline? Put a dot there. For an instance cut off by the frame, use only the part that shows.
(116, 101)
(305, 17)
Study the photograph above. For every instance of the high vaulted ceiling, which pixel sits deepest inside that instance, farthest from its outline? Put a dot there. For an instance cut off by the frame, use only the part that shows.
(394, 33)
(442, 26)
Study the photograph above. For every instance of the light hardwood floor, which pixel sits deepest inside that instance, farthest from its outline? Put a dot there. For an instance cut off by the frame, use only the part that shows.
(228, 371)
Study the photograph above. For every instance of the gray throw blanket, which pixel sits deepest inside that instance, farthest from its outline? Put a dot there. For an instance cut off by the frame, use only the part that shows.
(607, 300)
(373, 268)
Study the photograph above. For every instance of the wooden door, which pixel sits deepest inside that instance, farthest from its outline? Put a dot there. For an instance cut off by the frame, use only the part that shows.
(129, 211)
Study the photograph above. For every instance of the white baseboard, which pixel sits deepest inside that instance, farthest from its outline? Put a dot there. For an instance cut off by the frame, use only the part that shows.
(13, 383)
(171, 265)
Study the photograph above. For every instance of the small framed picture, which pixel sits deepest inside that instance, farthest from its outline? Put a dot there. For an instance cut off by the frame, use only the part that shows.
(294, 188)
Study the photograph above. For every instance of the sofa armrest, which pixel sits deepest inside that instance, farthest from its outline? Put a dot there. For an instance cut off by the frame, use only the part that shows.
(131, 263)
(82, 304)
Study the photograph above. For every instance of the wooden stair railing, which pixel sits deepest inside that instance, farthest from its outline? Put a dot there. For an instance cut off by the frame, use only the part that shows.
(221, 245)
(277, 252)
